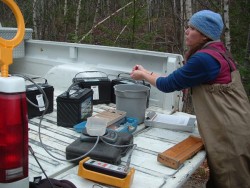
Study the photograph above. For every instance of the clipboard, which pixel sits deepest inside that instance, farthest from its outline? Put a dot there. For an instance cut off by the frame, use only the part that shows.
(172, 122)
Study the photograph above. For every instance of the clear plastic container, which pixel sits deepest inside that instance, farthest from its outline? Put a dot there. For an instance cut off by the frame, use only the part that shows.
(96, 126)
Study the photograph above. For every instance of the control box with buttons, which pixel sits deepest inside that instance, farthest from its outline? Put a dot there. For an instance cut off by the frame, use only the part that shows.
(105, 173)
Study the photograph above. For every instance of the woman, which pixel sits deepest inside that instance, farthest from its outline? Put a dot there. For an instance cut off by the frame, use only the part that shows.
(220, 102)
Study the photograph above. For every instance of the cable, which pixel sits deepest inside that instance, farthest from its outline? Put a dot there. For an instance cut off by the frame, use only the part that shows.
(41, 91)
(97, 140)
(97, 185)
(118, 146)
(129, 158)
(130, 154)
(40, 123)
(33, 154)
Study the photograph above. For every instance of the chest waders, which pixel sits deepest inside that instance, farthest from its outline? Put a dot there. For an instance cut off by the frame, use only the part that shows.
(223, 115)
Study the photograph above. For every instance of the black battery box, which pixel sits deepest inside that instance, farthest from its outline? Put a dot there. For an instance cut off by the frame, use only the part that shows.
(123, 78)
(101, 86)
(74, 106)
(35, 96)
(102, 151)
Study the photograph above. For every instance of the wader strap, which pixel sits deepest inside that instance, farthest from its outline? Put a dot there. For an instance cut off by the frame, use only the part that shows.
(227, 56)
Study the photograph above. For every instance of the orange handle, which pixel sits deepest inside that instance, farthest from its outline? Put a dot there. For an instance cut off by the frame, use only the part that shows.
(6, 46)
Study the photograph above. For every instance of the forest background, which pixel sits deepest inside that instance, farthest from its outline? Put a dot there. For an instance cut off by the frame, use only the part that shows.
(156, 25)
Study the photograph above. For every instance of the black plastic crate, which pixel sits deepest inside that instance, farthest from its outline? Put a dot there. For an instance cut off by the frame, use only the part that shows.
(74, 106)
(33, 93)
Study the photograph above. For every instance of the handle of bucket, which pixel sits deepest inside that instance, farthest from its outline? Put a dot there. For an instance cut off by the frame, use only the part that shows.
(91, 72)
(124, 73)
(128, 78)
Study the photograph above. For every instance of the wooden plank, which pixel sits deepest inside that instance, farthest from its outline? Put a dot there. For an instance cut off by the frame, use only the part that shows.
(176, 155)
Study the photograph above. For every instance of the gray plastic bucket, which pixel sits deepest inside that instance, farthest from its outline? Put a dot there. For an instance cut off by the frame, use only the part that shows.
(132, 98)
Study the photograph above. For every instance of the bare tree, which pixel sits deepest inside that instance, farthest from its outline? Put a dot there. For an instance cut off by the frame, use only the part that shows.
(65, 8)
(102, 21)
(247, 62)
(65, 11)
(96, 12)
(77, 18)
(188, 9)
(186, 17)
(187, 99)
(149, 14)
(35, 19)
(226, 20)
(246, 65)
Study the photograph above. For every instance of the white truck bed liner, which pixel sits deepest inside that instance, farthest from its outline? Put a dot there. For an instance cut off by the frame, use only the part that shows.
(59, 62)
(150, 141)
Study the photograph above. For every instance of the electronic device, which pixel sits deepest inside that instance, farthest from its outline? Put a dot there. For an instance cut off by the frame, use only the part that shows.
(105, 168)
(110, 136)
(105, 173)
(102, 151)
(113, 116)
(126, 124)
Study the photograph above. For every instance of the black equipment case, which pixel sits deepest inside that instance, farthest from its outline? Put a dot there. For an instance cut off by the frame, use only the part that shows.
(33, 94)
(74, 106)
(102, 151)
(126, 80)
(101, 86)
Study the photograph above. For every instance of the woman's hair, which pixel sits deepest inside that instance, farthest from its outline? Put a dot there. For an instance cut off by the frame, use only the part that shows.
(192, 51)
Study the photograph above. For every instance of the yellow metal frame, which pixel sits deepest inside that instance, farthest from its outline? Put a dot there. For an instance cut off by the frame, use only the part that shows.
(105, 179)
(6, 46)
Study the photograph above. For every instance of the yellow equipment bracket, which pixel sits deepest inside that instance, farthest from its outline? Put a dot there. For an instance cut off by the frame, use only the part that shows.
(6, 46)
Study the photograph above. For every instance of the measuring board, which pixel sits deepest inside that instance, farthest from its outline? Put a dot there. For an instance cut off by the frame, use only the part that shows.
(176, 155)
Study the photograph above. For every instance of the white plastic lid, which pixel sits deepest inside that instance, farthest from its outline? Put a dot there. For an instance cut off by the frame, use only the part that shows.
(96, 126)
(12, 84)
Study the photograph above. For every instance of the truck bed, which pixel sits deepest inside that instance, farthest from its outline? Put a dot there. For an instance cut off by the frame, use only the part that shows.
(58, 63)
(150, 141)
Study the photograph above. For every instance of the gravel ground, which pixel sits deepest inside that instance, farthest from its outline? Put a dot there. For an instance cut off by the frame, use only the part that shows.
(199, 178)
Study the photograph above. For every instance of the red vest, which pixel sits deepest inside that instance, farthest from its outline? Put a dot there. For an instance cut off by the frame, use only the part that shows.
(219, 52)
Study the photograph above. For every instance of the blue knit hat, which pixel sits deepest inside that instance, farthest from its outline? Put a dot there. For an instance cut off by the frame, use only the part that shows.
(208, 23)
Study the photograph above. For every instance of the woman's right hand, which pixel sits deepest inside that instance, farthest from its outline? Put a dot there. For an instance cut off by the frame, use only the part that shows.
(138, 72)
(139, 67)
